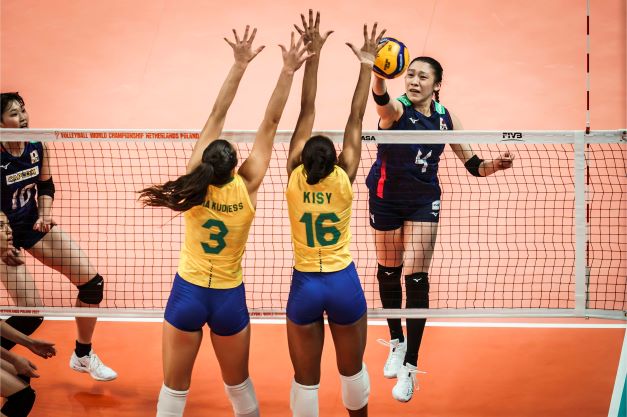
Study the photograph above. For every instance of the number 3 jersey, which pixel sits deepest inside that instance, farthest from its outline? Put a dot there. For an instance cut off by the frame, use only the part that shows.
(409, 172)
(320, 218)
(215, 236)
(19, 175)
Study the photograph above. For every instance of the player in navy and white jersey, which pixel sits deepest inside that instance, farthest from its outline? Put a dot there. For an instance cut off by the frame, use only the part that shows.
(404, 204)
(27, 192)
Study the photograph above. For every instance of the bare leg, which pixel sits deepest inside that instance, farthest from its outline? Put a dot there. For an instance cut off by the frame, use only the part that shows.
(179, 354)
(232, 353)
(305, 343)
(58, 251)
(350, 344)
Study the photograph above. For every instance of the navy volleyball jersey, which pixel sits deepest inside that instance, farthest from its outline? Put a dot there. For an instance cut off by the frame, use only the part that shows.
(409, 172)
(19, 175)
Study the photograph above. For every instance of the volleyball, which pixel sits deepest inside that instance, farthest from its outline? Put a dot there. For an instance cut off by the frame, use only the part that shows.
(392, 59)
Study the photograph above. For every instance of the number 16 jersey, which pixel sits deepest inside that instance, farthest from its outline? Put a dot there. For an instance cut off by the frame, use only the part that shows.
(215, 236)
(320, 218)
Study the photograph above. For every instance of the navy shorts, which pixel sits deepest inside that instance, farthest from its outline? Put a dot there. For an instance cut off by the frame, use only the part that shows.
(338, 293)
(390, 215)
(23, 234)
(190, 306)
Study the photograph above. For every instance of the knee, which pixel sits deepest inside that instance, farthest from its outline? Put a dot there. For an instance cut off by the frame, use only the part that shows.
(20, 403)
(243, 399)
(171, 402)
(25, 324)
(417, 286)
(356, 389)
(389, 275)
(304, 400)
(92, 292)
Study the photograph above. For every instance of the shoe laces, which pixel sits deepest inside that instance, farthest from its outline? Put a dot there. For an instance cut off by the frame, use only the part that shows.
(95, 363)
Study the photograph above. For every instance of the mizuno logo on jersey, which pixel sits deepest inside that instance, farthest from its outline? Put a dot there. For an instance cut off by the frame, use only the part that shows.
(5, 166)
(22, 175)
(414, 121)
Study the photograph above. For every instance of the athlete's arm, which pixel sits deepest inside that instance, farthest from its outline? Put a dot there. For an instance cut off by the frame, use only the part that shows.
(304, 125)
(473, 162)
(39, 347)
(389, 112)
(351, 149)
(255, 166)
(44, 201)
(243, 54)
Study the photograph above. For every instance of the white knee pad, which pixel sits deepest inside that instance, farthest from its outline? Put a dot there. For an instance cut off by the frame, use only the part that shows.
(171, 402)
(356, 389)
(304, 400)
(243, 399)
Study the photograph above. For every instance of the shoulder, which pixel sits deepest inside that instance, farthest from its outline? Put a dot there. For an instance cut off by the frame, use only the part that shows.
(457, 124)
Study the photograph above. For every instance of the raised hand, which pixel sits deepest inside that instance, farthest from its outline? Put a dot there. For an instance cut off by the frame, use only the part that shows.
(294, 57)
(311, 32)
(243, 49)
(371, 46)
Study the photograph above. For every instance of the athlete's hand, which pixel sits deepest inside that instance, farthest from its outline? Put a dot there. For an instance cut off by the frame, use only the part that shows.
(311, 33)
(504, 161)
(243, 49)
(294, 57)
(44, 224)
(9, 254)
(42, 348)
(371, 46)
(25, 367)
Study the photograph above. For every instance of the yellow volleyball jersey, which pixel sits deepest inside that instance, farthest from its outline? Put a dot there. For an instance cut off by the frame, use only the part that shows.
(320, 217)
(215, 236)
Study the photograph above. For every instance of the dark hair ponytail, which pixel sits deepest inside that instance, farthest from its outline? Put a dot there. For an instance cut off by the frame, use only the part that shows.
(189, 190)
(437, 69)
(319, 158)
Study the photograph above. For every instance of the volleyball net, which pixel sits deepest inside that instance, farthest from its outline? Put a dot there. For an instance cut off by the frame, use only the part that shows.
(547, 237)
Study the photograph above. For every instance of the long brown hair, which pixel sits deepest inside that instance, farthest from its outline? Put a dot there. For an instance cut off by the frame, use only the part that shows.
(189, 190)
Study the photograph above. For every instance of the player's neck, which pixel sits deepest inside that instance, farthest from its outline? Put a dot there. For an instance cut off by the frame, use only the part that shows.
(424, 107)
(14, 148)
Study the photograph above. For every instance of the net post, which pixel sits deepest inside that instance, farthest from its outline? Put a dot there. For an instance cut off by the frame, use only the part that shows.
(581, 231)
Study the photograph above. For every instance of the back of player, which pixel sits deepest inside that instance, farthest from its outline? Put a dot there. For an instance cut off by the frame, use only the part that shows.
(219, 205)
(215, 236)
(320, 217)
(325, 280)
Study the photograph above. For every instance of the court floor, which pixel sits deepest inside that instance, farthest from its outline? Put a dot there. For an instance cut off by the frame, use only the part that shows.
(556, 368)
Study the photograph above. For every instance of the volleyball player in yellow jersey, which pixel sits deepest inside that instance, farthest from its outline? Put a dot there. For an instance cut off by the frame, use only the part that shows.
(219, 206)
(319, 197)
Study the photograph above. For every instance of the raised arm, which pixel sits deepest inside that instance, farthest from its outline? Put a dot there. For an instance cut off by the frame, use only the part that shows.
(473, 163)
(254, 168)
(351, 149)
(304, 125)
(388, 110)
(243, 54)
